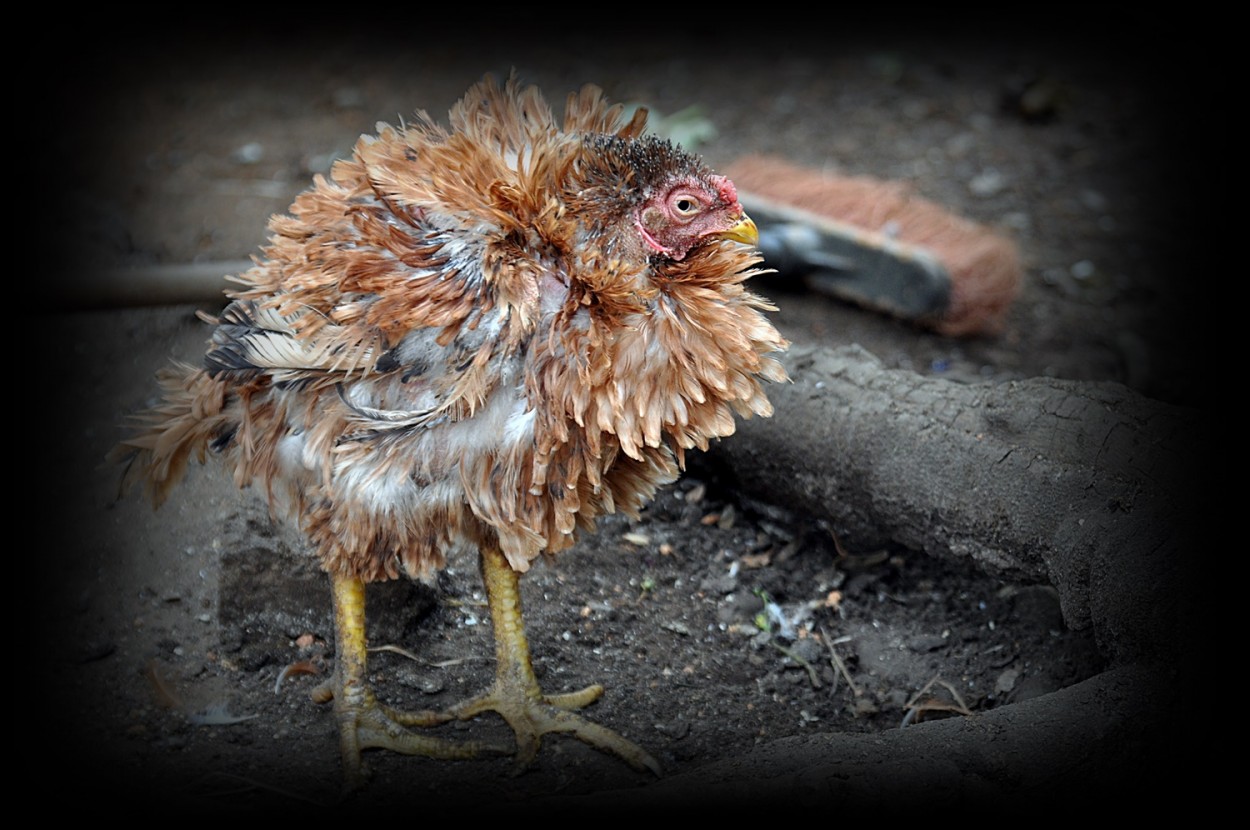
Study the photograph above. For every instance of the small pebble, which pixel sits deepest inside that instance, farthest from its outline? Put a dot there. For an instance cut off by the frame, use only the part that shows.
(249, 153)
(987, 183)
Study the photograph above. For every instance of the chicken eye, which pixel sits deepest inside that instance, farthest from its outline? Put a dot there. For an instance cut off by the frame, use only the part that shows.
(685, 206)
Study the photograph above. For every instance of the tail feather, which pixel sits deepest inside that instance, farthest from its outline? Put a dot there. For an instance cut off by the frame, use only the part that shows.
(192, 416)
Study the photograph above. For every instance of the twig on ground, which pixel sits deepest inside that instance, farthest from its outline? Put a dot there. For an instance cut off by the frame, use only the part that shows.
(302, 667)
(916, 707)
(838, 664)
(811, 670)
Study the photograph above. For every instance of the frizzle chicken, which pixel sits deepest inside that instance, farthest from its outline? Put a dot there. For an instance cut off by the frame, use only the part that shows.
(475, 337)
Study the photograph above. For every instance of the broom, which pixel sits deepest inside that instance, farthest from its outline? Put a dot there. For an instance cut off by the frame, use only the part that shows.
(879, 245)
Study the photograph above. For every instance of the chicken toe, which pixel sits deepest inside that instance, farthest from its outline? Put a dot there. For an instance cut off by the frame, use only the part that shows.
(515, 694)
(364, 723)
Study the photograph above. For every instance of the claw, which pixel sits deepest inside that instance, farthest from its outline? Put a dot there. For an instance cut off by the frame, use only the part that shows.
(364, 723)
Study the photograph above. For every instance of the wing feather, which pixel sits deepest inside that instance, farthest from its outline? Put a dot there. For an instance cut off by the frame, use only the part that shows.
(252, 337)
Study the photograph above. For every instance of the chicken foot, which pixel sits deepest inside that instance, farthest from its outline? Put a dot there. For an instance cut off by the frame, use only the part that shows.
(516, 695)
(364, 723)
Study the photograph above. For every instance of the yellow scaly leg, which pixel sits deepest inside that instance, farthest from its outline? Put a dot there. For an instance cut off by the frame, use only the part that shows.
(363, 722)
(516, 695)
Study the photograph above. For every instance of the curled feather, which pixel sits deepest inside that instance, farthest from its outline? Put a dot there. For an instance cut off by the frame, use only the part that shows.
(488, 331)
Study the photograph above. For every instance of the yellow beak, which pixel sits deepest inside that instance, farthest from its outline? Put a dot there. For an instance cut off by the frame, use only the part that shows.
(745, 231)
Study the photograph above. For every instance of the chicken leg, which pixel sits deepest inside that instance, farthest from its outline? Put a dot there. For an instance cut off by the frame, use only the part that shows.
(363, 722)
(515, 694)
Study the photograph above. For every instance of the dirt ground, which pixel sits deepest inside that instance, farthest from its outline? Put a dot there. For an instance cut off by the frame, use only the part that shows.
(182, 645)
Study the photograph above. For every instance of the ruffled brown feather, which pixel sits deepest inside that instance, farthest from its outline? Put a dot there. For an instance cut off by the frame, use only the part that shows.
(459, 338)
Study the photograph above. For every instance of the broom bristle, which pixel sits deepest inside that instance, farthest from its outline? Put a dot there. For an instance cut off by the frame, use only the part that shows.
(984, 266)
